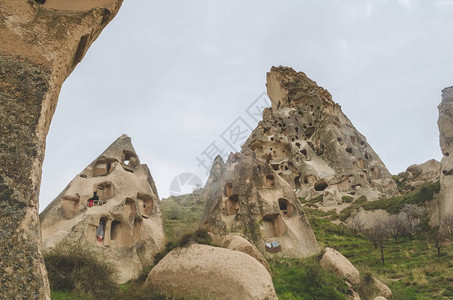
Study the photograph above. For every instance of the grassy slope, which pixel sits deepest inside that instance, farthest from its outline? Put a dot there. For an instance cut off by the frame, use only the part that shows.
(412, 270)
(182, 214)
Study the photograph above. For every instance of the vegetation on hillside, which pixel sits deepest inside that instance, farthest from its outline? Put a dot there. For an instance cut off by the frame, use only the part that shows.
(412, 269)
(182, 214)
(393, 205)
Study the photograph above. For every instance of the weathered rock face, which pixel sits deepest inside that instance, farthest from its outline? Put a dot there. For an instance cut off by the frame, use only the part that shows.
(247, 196)
(204, 271)
(445, 124)
(311, 144)
(333, 261)
(41, 45)
(112, 207)
(238, 242)
(416, 176)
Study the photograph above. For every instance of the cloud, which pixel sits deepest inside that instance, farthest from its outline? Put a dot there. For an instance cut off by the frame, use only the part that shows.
(405, 3)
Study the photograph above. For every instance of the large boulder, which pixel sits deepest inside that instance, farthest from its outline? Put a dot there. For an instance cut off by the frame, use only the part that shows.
(313, 146)
(111, 208)
(335, 262)
(215, 273)
(41, 45)
(240, 243)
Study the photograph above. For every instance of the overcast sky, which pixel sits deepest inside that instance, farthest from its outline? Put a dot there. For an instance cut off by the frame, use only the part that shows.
(174, 75)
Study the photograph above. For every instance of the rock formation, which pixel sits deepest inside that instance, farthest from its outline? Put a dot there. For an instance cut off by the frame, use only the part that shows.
(312, 145)
(42, 42)
(240, 243)
(445, 124)
(211, 272)
(333, 261)
(246, 196)
(416, 176)
(111, 207)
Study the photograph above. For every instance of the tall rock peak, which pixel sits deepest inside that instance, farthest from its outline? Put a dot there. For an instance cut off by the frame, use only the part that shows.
(309, 142)
(111, 206)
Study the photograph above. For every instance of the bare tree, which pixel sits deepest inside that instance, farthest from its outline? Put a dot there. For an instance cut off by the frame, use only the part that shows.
(378, 235)
(411, 214)
(355, 224)
(438, 235)
(395, 226)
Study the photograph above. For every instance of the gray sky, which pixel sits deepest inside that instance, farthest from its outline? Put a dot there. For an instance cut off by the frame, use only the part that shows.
(175, 75)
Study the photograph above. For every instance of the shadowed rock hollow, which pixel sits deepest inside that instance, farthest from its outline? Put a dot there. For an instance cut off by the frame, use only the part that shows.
(112, 208)
(312, 145)
(41, 45)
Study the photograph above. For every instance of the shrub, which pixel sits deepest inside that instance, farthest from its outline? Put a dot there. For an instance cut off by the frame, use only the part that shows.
(347, 199)
(305, 279)
(76, 269)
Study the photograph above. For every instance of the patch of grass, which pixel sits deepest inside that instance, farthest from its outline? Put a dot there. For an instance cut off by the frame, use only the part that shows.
(305, 279)
(412, 270)
(317, 199)
(346, 213)
(182, 214)
(347, 199)
(393, 205)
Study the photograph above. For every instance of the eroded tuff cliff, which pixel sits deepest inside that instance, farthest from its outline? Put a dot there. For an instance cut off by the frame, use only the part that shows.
(445, 124)
(246, 196)
(41, 45)
(310, 143)
(111, 208)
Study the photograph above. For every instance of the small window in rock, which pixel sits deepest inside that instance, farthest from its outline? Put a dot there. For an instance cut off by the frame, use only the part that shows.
(232, 205)
(320, 185)
(339, 139)
(349, 149)
(130, 204)
(145, 204)
(130, 159)
(304, 152)
(228, 189)
(367, 155)
(115, 230)
(298, 145)
(297, 182)
(270, 181)
(103, 166)
(284, 206)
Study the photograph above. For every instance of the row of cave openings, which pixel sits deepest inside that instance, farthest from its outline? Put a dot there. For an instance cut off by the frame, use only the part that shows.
(232, 204)
(355, 140)
(116, 233)
(104, 166)
(112, 232)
